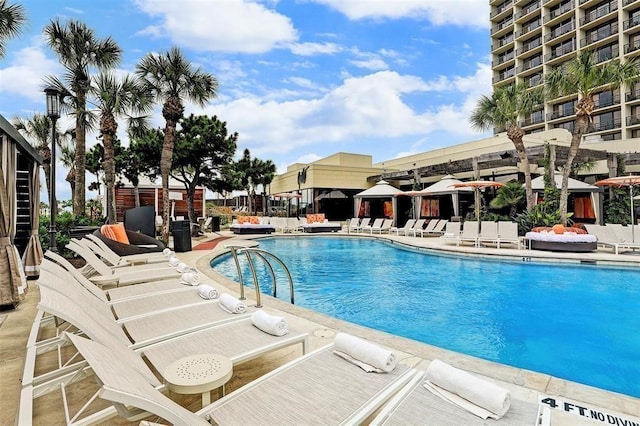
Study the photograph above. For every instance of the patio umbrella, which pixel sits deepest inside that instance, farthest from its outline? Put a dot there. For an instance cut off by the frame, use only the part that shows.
(621, 181)
(287, 196)
(477, 185)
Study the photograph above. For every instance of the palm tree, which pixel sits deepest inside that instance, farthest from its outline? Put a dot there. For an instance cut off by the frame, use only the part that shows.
(502, 110)
(117, 98)
(511, 195)
(68, 159)
(12, 18)
(584, 76)
(78, 50)
(171, 79)
(37, 129)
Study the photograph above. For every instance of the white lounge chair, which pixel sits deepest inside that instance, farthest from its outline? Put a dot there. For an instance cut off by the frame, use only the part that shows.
(437, 230)
(606, 235)
(115, 259)
(365, 222)
(384, 227)
(508, 234)
(488, 233)
(414, 404)
(451, 232)
(353, 224)
(320, 388)
(470, 232)
(409, 224)
(377, 223)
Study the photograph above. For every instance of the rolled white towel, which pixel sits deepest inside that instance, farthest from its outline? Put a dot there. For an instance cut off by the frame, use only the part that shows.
(182, 267)
(190, 278)
(478, 396)
(270, 323)
(166, 251)
(174, 261)
(207, 292)
(366, 355)
(232, 305)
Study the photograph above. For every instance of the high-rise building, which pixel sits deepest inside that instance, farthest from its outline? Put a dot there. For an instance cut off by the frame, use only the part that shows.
(530, 37)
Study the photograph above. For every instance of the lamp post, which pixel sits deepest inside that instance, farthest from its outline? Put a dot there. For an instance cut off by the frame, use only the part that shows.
(53, 112)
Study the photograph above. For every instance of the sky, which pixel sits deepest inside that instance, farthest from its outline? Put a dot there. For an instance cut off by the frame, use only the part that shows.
(298, 79)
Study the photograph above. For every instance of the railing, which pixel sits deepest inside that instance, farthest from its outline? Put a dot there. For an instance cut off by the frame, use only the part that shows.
(562, 9)
(632, 47)
(599, 34)
(605, 125)
(632, 96)
(558, 52)
(606, 101)
(630, 23)
(564, 29)
(633, 120)
(561, 113)
(261, 254)
(599, 12)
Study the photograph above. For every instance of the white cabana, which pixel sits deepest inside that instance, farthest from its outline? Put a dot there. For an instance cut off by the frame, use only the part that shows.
(380, 190)
(575, 187)
(445, 186)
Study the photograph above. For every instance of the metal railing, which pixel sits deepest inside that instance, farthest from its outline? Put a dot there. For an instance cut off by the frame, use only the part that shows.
(265, 256)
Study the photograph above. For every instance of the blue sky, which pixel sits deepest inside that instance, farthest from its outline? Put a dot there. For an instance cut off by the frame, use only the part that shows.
(298, 79)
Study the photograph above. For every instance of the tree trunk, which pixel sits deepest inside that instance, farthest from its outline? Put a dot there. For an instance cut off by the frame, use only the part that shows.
(165, 169)
(136, 195)
(515, 134)
(109, 178)
(79, 190)
(71, 178)
(191, 193)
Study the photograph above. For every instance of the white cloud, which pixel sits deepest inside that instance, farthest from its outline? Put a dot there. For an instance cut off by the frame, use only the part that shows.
(222, 26)
(472, 13)
(311, 49)
(373, 64)
(366, 108)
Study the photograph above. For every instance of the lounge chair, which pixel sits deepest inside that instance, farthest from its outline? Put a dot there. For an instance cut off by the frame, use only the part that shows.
(451, 232)
(377, 223)
(414, 404)
(606, 235)
(319, 388)
(114, 258)
(353, 224)
(365, 222)
(384, 227)
(488, 233)
(470, 232)
(508, 234)
(409, 224)
(139, 243)
(437, 230)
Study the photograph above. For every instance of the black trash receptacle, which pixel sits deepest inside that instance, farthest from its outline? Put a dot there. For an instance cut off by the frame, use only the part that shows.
(181, 231)
(215, 223)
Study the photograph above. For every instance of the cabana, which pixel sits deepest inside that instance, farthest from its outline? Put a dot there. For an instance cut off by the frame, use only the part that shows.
(585, 201)
(433, 196)
(377, 201)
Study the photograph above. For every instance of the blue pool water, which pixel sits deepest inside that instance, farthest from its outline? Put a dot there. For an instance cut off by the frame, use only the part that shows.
(580, 323)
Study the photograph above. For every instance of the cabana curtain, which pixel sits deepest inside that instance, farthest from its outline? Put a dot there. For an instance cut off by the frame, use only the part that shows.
(33, 253)
(10, 279)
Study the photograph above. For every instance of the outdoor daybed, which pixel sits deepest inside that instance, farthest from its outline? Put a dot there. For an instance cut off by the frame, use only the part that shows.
(124, 242)
(318, 223)
(251, 225)
(559, 238)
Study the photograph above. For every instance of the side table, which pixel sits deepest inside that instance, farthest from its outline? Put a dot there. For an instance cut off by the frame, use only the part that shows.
(199, 374)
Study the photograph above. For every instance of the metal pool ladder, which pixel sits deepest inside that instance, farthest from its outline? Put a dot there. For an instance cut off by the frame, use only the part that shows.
(267, 257)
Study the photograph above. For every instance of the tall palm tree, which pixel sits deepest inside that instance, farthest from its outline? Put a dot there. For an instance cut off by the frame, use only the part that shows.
(502, 110)
(37, 129)
(171, 79)
(511, 195)
(117, 98)
(12, 19)
(584, 76)
(68, 159)
(79, 50)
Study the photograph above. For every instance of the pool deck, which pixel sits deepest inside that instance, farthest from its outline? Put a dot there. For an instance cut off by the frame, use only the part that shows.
(572, 398)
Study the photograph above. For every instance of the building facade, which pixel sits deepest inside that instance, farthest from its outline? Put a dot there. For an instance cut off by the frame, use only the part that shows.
(531, 37)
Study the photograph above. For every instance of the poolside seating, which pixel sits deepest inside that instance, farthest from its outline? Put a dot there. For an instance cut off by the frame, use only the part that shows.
(105, 252)
(384, 227)
(409, 224)
(508, 234)
(438, 228)
(339, 391)
(129, 242)
(451, 232)
(615, 236)
(414, 403)
(365, 222)
(353, 224)
(418, 227)
(470, 232)
(488, 233)
(377, 223)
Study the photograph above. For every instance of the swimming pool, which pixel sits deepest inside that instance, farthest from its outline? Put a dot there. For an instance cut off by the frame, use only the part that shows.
(579, 323)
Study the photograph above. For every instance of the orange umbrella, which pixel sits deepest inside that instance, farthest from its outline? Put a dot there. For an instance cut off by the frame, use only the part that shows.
(478, 185)
(621, 181)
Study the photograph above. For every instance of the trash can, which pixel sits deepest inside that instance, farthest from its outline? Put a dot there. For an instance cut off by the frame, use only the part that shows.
(181, 231)
(215, 223)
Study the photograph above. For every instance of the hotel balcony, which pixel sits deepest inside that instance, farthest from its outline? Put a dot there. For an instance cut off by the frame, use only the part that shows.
(558, 53)
(559, 13)
(599, 35)
(560, 31)
(527, 13)
(599, 15)
(604, 126)
(555, 115)
(632, 96)
(633, 120)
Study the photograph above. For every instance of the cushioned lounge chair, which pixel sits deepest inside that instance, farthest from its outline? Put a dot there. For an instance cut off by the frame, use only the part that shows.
(384, 227)
(470, 232)
(488, 233)
(508, 234)
(414, 404)
(138, 244)
(451, 231)
(319, 388)
(104, 252)
(408, 226)
(437, 230)
(377, 223)
(607, 237)
(353, 225)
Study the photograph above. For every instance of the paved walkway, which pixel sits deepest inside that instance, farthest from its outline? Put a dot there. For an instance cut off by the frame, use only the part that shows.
(571, 399)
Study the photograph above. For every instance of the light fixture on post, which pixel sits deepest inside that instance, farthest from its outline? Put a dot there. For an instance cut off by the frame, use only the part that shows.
(53, 112)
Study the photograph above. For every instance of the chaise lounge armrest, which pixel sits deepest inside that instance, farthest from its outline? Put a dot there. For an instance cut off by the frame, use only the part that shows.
(138, 244)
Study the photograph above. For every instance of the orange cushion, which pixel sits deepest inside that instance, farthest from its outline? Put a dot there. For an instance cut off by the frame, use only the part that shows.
(558, 229)
(107, 232)
(311, 218)
(120, 233)
(242, 219)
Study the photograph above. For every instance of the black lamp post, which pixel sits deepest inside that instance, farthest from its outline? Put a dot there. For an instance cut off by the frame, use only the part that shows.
(53, 112)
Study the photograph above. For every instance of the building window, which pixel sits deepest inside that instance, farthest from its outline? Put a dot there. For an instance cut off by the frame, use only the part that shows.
(606, 98)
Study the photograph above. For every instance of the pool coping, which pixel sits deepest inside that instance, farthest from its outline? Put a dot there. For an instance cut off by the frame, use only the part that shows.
(530, 382)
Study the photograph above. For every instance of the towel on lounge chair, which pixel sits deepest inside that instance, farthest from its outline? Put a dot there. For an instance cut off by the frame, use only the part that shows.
(478, 396)
(366, 355)
(270, 323)
(190, 278)
(174, 261)
(231, 304)
(207, 292)
(182, 267)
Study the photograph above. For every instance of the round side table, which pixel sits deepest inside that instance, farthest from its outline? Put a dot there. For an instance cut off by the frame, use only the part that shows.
(199, 374)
